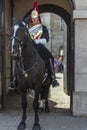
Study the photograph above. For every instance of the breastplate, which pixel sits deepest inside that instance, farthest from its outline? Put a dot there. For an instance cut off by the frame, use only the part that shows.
(35, 31)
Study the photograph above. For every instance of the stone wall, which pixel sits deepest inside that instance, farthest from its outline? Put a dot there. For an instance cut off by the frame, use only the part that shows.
(80, 73)
(27, 5)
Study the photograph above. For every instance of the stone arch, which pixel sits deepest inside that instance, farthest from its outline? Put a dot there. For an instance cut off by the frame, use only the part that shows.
(54, 9)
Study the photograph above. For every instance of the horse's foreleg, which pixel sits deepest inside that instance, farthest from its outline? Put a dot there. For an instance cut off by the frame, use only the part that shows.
(36, 106)
(24, 106)
(46, 105)
(22, 124)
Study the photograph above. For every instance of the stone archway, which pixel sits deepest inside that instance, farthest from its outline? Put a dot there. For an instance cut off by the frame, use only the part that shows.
(77, 47)
(18, 9)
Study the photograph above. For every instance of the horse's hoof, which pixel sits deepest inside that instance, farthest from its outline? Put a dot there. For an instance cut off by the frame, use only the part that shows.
(36, 127)
(47, 109)
(40, 109)
(21, 126)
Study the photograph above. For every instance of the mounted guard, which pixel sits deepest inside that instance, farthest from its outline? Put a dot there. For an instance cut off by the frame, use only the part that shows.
(40, 36)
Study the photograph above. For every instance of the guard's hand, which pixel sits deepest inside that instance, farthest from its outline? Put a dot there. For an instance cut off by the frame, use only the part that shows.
(37, 41)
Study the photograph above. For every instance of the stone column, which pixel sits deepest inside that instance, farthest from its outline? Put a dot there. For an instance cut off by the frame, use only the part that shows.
(7, 45)
(80, 64)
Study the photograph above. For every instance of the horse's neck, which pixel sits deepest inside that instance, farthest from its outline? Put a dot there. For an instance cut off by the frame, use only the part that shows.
(28, 54)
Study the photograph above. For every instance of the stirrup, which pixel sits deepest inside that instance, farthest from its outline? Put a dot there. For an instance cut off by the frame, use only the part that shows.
(55, 83)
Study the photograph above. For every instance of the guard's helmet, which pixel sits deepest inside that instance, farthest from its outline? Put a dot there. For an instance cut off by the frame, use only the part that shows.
(34, 14)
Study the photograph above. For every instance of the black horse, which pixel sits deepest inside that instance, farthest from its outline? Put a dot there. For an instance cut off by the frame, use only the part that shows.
(30, 68)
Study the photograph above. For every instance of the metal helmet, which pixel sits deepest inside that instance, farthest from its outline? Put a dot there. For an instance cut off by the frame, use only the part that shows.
(34, 14)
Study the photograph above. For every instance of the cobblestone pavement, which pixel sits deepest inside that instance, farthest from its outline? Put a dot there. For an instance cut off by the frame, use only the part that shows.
(59, 118)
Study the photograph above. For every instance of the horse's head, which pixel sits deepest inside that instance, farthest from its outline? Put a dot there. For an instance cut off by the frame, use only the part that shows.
(18, 37)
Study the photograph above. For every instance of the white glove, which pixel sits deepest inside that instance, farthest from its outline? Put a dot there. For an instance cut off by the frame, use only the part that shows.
(42, 41)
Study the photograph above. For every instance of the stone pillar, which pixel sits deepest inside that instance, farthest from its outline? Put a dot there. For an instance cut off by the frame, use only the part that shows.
(7, 39)
(80, 64)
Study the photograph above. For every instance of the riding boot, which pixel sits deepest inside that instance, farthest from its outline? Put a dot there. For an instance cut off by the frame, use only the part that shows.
(52, 71)
(13, 85)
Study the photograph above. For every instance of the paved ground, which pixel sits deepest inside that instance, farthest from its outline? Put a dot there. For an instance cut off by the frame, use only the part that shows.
(59, 118)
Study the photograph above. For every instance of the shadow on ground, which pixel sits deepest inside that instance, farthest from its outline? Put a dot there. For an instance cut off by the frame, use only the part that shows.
(14, 104)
